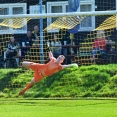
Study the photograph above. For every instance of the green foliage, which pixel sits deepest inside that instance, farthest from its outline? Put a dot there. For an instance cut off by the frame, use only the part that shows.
(114, 79)
(94, 77)
(87, 81)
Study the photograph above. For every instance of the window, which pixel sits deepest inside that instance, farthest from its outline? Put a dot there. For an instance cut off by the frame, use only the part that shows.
(88, 23)
(56, 7)
(12, 9)
(35, 9)
(61, 7)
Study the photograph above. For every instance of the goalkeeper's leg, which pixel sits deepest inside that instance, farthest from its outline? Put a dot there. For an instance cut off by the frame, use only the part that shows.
(26, 64)
(29, 85)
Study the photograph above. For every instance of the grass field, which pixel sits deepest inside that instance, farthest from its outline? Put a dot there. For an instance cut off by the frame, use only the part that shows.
(58, 108)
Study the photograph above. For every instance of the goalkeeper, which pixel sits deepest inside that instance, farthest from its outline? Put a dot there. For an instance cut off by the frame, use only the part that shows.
(44, 70)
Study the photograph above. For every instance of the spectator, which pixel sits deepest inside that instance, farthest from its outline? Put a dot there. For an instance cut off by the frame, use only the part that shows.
(57, 46)
(109, 46)
(52, 45)
(28, 41)
(99, 45)
(35, 35)
(12, 51)
(68, 51)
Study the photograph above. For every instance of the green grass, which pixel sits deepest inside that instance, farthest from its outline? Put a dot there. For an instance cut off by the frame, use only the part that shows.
(58, 108)
(87, 81)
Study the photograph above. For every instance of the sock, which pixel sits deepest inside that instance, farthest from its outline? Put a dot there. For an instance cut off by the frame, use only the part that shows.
(26, 88)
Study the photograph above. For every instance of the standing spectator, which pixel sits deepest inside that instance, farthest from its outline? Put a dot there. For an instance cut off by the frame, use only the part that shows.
(36, 35)
(12, 51)
(28, 41)
(57, 46)
(68, 50)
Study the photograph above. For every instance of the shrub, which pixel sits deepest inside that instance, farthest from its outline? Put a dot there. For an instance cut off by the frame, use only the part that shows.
(95, 77)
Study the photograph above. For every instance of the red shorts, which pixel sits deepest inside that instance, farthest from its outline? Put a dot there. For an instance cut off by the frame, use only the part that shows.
(37, 74)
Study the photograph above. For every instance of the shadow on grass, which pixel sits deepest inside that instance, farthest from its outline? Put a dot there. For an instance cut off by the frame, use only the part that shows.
(66, 104)
(7, 75)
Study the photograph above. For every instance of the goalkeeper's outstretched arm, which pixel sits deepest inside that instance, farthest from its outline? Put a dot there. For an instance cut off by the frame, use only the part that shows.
(49, 50)
(50, 54)
(74, 65)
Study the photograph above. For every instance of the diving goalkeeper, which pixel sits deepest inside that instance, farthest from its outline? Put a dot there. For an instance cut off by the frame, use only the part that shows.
(44, 70)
